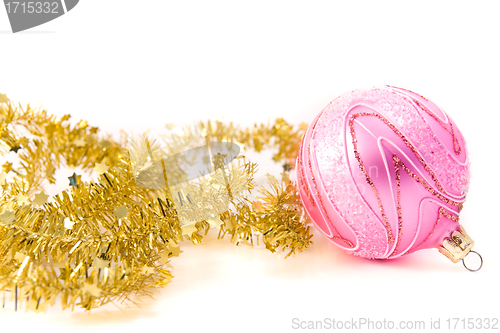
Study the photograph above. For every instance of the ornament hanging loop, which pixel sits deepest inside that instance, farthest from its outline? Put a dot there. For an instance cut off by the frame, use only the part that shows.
(458, 246)
(480, 264)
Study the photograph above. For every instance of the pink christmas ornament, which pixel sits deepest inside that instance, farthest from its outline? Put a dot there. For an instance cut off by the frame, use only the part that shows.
(384, 172)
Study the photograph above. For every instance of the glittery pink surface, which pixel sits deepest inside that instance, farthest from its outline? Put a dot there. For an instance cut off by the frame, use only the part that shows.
(383, 172)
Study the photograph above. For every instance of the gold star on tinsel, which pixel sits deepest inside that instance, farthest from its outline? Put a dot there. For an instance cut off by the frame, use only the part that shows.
(21, 199)
(79, 143)
(91, 289)
(41, 198)
(50, 171)
(219, 160)
(121, 212)
(164, 257)
(15, 149)
(101, 263)
(68, 224)
(82, 124)
(4, 98)
(7, 167)
(285, 177)
(19, 257)
(271, 178)
(228, 224)
(206, 160)
(65, 117)
(75, 180)
(147, 270)
(101, 168)
(188, 229)
(50, 129)
(105, 144)
(7, 217)
(215, 222)
(174, 251)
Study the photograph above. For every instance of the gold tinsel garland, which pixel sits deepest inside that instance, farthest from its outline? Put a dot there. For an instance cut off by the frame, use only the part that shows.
(111, 239)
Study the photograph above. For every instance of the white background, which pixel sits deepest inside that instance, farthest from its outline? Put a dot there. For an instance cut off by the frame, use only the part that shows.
(141, 64)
